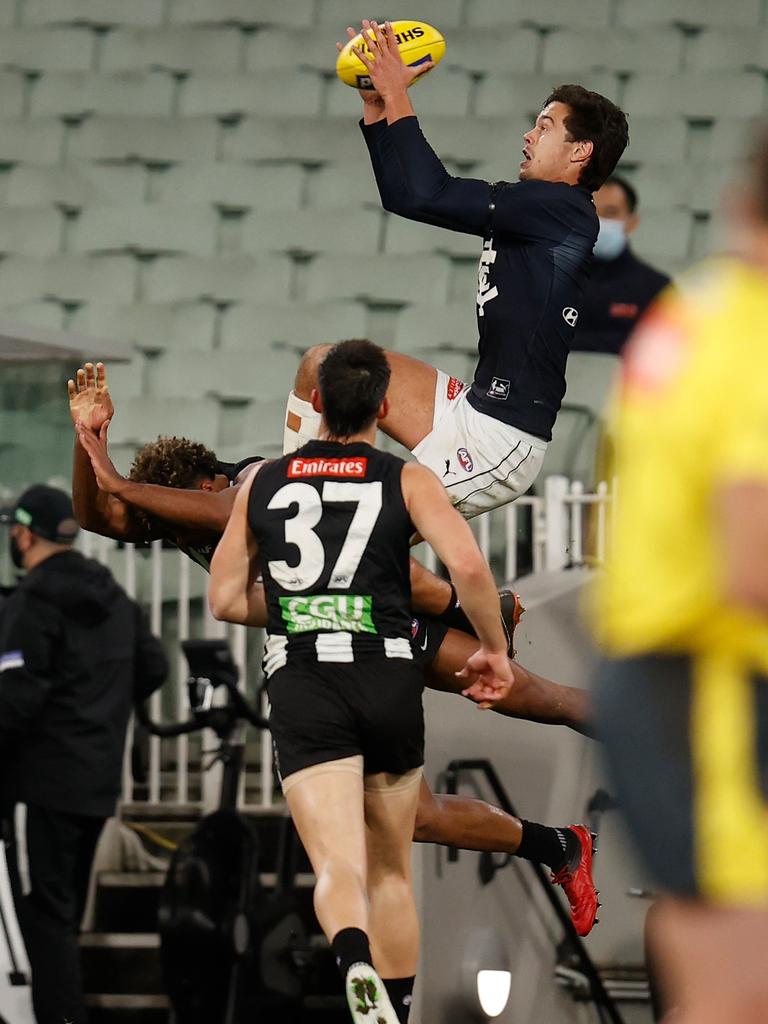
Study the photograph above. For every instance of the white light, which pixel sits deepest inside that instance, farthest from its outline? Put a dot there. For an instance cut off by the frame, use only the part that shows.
(493, 988)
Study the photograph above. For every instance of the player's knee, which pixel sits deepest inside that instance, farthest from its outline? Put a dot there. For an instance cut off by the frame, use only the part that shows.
(428, 817)
(306, 375)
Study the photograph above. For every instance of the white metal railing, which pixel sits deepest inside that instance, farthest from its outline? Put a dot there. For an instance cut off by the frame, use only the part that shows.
(563, 527)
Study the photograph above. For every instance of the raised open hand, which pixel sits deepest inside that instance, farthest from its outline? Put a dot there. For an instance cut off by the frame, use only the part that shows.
(90, 404)
(389, 74)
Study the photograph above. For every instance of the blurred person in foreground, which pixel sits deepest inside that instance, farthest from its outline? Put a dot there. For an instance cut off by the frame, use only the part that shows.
(621, 287)
(75, 655)
(682, 613)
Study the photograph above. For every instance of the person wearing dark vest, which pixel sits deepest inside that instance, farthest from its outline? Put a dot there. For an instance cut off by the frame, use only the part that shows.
(75, 655)
(621, 286)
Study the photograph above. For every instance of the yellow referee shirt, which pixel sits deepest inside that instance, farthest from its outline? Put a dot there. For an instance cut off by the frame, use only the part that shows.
(692, 415)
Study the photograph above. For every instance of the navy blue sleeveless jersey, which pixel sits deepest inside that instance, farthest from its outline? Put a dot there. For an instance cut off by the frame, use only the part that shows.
(333, 534)
(537, 248)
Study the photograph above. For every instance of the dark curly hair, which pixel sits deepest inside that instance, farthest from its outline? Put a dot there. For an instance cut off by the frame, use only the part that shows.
(172, 462)
(596, 119)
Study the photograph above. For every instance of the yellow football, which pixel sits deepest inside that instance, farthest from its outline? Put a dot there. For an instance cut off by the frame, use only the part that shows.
(417, 42)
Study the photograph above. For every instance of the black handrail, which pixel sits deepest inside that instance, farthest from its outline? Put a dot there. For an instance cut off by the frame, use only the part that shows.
(600, 995)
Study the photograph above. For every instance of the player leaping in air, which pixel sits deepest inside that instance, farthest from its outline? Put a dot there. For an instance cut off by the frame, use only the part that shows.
(537, 236)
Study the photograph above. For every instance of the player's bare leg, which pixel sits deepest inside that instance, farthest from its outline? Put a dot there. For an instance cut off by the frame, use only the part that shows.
(411, 396)
(533, 698)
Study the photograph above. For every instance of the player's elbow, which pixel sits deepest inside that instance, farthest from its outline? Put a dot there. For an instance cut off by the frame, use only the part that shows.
(222, 600)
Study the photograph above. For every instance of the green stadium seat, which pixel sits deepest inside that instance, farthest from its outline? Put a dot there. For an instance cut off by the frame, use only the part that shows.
(296, 326)
(146, 229)
(481, 50)
(344, 186)
(36, 231)
(35, 314)
(74, 94)
(696, 96)
(75, 185)
(663, 186)
(471, 140)
(690, 13)
(11, 94)
(247, 13)
(285, 95)
(443, 14)
(451, 326)
(590, 380)
(569, 51)
(573, 450)
(226, 279)
(231, 185)
(451, 361)
(144, 419)
(311, 140)
(410, 237)
(262, 427)
(547, 13)
(230, 374)
(656, 139)
(663, 236)
(521, 95)
(8, 10)
(147, 139)
(36, 142)
(187, 326)
(279, 48)
(393, 280)
(125, 382)
(730, 138)
(68, 279)
(98, 13)
(446, 92)
(721, 50)
(208, 51)
(63, 49)
(357, 232)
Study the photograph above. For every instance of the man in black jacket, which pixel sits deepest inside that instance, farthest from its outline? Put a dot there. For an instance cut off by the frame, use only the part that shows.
(75, 655)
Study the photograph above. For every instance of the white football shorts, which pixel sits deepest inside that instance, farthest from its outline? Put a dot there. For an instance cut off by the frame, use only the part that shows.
(482, 462)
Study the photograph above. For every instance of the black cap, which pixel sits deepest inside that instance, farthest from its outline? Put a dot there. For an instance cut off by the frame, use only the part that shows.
(46, 511)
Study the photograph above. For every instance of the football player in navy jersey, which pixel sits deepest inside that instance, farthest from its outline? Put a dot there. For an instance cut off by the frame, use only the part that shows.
(537, 238)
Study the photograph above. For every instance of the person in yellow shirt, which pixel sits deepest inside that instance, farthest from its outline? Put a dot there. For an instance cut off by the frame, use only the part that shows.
(682, 615)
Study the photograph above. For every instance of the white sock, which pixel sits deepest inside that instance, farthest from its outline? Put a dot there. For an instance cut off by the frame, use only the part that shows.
(309, 429)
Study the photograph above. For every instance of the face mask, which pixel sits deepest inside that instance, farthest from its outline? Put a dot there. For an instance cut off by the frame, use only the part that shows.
(611, 239)
(16, 555)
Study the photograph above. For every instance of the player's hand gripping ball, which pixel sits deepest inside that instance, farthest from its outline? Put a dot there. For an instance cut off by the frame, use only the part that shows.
(417, 42)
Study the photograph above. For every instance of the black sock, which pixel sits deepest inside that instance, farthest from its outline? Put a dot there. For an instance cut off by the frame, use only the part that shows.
(455, 617)
(350, 946)
(554, 847)
(400, 991)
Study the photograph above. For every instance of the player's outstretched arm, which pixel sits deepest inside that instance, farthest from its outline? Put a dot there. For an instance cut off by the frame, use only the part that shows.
(487, 673)
(232, 594)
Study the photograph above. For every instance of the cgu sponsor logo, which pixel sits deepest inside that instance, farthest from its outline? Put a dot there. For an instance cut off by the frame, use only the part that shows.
(465, 460)
(350, 613)
(327, 467)
(454, 388)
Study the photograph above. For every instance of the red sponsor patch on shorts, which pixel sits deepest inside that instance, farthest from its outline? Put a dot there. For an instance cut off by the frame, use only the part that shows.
(454, 388)
(327, 467)
(624, 310)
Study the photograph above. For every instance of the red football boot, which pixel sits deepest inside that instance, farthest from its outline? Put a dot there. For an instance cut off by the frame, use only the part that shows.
(511, 612)
(578, 885)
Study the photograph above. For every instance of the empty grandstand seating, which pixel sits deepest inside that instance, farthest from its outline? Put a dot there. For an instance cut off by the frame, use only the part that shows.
(97, 13)
(296, 325)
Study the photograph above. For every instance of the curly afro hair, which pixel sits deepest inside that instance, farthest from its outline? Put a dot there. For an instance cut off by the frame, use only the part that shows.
(172, 462)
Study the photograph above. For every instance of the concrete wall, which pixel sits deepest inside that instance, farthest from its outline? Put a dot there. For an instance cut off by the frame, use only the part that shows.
(550, 774)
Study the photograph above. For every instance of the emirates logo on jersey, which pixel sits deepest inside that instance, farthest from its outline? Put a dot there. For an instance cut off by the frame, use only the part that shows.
(327, 467)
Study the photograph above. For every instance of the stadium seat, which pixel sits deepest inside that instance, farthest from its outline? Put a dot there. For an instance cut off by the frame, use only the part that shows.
(146, 229)
(482, 50)
(262, 428)
(36, 231)
(68, 279)
(188, 326)
(144, 419)
(451, 361)
(310, 140)
(703, 96)
(568, 51)
(35, 314)
(590, 379)
(548, 13)
(451, 326)
(64, 49)
(511, 94)
(278, 48)
(313, 231)
(472, 140)
(573, 450)
(656, 139)
(691, 13)
(74, 185)
(36, 142)
(125, 382)
(11, 94)
(663, 235)
(226, 279)
(207, 51)
(739, 50)
(344, 186)
(296, 326)
(8, 10)
(298, 93)
(411, 237)
(149, 139)
(730, 139)
(443, 14)
(447, 94)
(231, 185)
(394, 280)
(98, 13)
(663, 186)
(234, 373)
(241, 12)
(77, 93)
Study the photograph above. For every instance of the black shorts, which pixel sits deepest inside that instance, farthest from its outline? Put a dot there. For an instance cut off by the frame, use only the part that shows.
(323, 712)
(686, 741)
(427, 638)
